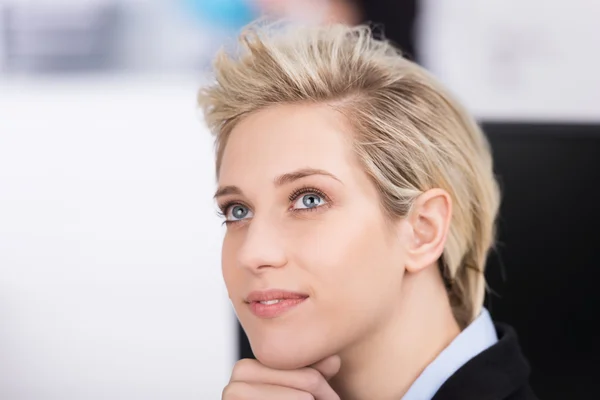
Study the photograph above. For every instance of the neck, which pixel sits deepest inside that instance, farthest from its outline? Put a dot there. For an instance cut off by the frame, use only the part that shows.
(384, 364)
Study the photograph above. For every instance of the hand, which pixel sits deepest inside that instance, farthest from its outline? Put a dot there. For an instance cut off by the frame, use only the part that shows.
(251, 380)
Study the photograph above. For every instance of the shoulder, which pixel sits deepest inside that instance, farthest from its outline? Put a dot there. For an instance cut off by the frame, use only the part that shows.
(525, 393)
(500, 372)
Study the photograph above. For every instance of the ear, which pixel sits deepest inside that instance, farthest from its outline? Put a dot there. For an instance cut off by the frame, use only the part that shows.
(429, 220)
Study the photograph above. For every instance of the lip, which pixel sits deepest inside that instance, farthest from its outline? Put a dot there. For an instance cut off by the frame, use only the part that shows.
(286, 301)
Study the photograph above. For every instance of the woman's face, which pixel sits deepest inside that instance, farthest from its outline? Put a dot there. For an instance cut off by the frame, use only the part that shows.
(304, 218)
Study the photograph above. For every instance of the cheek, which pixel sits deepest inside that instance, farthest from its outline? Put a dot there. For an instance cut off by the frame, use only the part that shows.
(231, 273)
(351, 257)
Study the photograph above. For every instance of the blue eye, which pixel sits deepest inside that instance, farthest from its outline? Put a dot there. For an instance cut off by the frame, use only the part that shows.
(237, 212)
(303, 199)
(309, 200)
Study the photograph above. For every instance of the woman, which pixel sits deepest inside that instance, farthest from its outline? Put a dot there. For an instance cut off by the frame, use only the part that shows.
(360, 204)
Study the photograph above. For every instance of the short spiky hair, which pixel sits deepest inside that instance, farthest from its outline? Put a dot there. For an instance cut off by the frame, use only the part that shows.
(408, 132)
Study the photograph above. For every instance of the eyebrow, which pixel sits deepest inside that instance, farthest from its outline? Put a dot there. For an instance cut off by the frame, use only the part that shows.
(279, 181)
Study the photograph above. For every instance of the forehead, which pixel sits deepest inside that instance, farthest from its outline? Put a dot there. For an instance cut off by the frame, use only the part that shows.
(284, 138)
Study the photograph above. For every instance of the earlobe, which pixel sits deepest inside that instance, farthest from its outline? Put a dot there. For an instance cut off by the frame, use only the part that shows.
(429, 220)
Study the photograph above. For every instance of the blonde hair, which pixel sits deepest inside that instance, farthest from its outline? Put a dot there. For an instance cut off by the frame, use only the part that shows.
(409, 133)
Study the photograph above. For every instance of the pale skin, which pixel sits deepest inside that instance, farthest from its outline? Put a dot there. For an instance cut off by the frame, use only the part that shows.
(377, 312)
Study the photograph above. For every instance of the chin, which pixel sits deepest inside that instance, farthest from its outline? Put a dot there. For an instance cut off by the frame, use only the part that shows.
(286, 352)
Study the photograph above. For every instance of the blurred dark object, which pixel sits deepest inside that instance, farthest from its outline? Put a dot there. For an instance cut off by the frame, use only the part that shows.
(62, 37)
(397, 18)
(545, 273)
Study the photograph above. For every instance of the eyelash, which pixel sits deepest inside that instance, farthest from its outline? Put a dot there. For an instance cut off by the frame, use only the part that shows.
(292, 197)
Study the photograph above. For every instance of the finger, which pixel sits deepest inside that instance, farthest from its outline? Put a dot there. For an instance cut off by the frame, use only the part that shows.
(262, 391)
(305, 379)
(329, 366)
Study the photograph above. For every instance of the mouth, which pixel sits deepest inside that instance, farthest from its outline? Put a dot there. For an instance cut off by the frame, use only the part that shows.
(273, 303)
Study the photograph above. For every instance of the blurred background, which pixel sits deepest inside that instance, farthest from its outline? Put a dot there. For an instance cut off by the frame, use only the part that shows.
(110, 282)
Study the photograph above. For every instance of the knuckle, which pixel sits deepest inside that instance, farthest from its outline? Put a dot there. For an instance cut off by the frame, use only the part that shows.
(312, 380)
(305, 396)
(242, 368)
(235, 391)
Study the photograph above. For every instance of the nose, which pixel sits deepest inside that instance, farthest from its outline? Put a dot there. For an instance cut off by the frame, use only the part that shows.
(263, 247)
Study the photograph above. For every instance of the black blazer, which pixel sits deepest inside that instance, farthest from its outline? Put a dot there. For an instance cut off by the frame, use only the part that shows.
(498, 373)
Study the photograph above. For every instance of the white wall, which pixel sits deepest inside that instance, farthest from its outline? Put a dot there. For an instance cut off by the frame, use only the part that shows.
(110, 284)
(517, 59)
